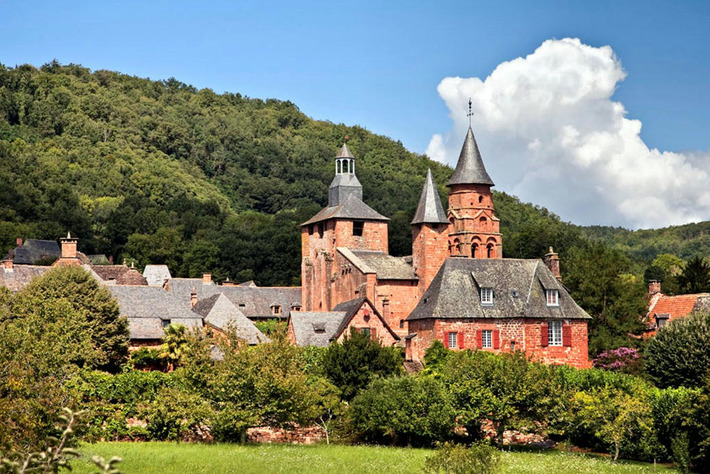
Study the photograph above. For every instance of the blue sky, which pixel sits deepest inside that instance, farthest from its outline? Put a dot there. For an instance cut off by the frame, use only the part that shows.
(378, 64)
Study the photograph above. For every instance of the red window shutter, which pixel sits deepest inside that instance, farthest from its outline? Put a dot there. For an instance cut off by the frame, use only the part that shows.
(460, 339)
(446, 340)
(496, 339)
(567, 335)
(479, 339)
(544, 336)
(373, 333)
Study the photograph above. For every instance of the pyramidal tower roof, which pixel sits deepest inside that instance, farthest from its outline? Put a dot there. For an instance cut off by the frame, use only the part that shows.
(470, 169)
(429, 210)
(344, 152)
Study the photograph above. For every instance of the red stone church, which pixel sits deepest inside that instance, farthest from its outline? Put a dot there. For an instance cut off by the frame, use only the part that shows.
(456, 287)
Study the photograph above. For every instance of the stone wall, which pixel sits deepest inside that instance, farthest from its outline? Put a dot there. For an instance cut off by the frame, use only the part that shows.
(298, 435)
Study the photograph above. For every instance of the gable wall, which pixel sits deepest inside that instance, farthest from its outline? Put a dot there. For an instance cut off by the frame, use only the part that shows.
(363, 320)
(395, 299)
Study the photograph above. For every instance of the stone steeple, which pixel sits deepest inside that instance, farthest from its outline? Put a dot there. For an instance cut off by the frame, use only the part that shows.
(470, 169)
(345, 183)
(429, 210)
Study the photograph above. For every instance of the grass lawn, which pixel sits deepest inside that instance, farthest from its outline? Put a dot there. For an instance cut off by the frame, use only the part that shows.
(222, 458)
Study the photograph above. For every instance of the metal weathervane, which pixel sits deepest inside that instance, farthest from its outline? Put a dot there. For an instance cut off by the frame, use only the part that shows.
(470, 112)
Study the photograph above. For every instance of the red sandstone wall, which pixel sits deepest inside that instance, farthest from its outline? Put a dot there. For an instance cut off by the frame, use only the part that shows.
(526, 333)
(395, 300)
(430, 248)
(366, 318)
(474, 221)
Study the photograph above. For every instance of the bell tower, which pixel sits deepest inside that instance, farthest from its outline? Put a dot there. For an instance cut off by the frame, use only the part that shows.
(474, 230)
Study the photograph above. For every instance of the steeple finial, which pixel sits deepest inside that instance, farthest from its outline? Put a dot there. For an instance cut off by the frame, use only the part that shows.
(470, 112)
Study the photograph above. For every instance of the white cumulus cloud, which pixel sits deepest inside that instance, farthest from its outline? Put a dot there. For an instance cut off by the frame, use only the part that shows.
(549, 133)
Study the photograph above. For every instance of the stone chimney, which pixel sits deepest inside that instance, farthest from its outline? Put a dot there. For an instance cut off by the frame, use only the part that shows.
(68, 246)
(19, 241)
(193, 298)
(110, 259)
(206, 278)
(654, 286)
(552, 260)
(8, 265)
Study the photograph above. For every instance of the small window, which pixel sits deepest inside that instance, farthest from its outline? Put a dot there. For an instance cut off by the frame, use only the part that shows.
(319, 230)
(401, 323)
(553, 297)
(365, 331)
(487, 296)
(276, 310)
(480, 199)
(242, 305)
(358, 227)
(166, 323)
(310, 230)
(487, 339)
(453, 340)
(296, 308)
(554, 333)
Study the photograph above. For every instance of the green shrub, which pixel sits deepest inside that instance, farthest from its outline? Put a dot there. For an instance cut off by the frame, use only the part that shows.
(145, 358)
(177, 414)
(352, 364)
(679, 355)
(409, 410)
(450, 458)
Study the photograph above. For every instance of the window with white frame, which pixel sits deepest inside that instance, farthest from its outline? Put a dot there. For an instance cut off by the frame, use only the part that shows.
(486, 339)
(554, 333)
(487, 296)
(553, 297)
(453, 340)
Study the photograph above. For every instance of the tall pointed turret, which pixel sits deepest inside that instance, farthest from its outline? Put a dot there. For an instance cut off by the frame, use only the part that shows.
(470, 169)
(345, 183)
(429, 210)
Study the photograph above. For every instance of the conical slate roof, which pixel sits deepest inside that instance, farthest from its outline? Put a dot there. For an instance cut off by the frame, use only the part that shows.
(344, 152)
(429, 210)
(470, 169)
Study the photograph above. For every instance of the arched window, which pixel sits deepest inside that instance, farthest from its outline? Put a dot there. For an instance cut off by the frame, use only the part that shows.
(474, 250)
(491, 251)
(457, 246)
(483, 221)
(480, 199)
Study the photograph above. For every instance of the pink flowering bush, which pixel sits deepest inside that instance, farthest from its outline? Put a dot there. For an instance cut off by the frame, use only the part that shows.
(622, 359)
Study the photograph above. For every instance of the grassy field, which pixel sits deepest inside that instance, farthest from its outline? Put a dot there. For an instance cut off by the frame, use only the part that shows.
(224, 458)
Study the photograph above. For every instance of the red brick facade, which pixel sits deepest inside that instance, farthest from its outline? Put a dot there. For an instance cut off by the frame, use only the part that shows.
(506, 335)
(474, 230)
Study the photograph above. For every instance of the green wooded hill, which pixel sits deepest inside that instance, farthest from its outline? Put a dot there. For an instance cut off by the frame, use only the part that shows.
(160, 172)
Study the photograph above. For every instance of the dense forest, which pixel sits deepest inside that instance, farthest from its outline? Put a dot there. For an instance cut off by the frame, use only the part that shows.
(160, 172)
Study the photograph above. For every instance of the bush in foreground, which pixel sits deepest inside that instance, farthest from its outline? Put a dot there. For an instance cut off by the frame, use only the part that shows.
(450, 458)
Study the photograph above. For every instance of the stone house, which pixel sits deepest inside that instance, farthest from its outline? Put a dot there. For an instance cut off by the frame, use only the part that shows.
(664, 308)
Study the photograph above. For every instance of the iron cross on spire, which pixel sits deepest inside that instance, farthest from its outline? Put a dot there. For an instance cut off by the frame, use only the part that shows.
(470, 112)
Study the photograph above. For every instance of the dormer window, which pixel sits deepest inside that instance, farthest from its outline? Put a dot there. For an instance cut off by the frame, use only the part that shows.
(487, 296)
(553, 297)
(276, 310)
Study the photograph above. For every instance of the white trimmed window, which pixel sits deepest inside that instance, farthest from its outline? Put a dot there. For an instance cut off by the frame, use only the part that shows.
(554, 333)
(486, 339)
(453, 340)
(553, 297)
(487, 296)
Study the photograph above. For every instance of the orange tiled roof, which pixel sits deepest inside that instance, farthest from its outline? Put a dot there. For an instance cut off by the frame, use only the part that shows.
(676, 306)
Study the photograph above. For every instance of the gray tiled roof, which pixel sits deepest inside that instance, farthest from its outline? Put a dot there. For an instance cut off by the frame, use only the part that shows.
(20, 276)
(385, 266)
(221, 313)
(146, 307)
(156, 275)
(119, 274)
(352, 208)
(33, 250)
(518, 291)
(470, 169)
(315, 329)
(430, 210)
(253, 301)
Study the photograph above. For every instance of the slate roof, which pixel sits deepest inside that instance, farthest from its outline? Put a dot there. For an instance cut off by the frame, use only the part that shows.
(384, 265)
(220, 312)
(429, 210)
(20, 276)
(351, 208)
(33, 250)
(470, 169)
(156, 275)
(119, 275)
(344, 152)
(315, 329)
(518, 291)
(146, 307)
(254, 301)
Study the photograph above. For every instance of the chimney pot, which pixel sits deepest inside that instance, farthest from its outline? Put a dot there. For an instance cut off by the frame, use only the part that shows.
(654, 286)
(193, 298)
(552, 260)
